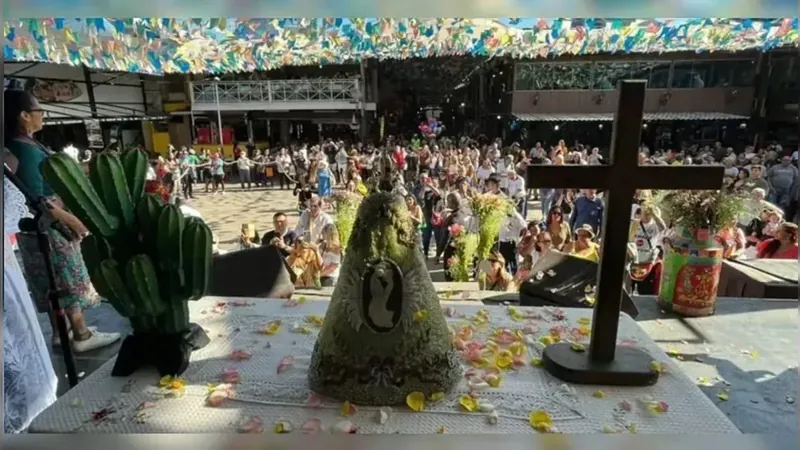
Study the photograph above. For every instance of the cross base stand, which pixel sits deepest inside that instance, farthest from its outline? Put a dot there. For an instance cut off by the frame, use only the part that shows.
(630, 367)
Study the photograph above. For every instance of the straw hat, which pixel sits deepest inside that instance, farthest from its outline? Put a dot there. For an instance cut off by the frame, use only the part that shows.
(586, 228)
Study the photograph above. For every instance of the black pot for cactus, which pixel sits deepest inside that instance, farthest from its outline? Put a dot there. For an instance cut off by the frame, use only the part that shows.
(168, 352)
(165, 342)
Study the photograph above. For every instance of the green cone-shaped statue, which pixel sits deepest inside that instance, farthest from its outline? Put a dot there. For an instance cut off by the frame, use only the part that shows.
(384, 334)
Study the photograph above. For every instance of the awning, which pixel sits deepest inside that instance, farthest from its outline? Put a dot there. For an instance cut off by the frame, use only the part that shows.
(610, 116)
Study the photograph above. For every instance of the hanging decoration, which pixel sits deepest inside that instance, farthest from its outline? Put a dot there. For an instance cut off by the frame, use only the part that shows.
(166, 45)
(431, 128)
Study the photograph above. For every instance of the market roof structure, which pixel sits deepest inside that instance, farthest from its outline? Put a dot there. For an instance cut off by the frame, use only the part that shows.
(163, 45)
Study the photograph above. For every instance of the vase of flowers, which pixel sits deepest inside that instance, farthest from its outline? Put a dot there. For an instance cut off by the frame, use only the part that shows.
(692, 254)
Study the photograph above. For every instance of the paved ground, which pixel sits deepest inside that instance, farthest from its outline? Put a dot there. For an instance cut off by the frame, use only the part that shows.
(225, 214)
(748, 349)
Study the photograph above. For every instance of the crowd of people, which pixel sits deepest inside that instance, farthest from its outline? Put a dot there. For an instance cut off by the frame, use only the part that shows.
(437, 179)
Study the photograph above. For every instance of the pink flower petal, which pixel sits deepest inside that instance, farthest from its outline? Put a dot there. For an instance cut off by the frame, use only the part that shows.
(230, 375)
(291, 303)
(285, 363)
(217, 398)
(240, 355)
(313, 401)
(311, 426)
(470, 373)
(251, 425)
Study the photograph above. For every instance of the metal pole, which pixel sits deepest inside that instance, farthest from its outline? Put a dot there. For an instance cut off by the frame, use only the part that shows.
(219, 114)
(363, 101)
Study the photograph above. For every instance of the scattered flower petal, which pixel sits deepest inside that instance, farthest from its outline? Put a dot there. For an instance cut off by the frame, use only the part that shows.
(240, 355)
(541, 421)
(723, 395)
(285, 363)
(626, 406)
(441, 429)
(470, 373)
(416, 401)
(311, 426)
(348, 409)
(291, 303)
(598, 394)
(551, 273)
(673, 353)
(477, 385)
(316, 321)
(657, 366)
(436, 397)
(218, 397)
(450, 312)
(383, 415)
(485, 407)
(282, 427)
(530, 328)
(578, 347)
(493, 380)
(704, 381)
(230, 375)
(314, 400)
(272, 328)
(174, 385)
(251, 425)
(537, 362)
(300, 328)
(584, 321)
(77, 402)
(468, 402)
(344, 427)
(492, 418)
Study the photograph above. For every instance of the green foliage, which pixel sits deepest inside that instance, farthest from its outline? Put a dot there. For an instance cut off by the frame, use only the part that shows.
(490, 211)
(713, 210)
(345, 206)
(466, 248)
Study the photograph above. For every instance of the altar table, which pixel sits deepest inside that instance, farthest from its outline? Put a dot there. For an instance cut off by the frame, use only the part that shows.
(136, 404)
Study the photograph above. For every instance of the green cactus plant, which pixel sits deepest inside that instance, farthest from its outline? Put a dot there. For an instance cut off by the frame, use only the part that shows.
(143, 256)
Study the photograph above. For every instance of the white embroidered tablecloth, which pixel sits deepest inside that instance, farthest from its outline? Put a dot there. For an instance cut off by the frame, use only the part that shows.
(272, 397)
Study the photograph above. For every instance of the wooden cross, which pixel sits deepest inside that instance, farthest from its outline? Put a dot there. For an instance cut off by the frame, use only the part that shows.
(605, 363)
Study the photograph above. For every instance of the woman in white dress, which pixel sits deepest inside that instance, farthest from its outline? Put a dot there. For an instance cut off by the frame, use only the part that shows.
(30, 382)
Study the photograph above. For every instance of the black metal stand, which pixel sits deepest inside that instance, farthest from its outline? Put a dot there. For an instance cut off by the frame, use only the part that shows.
(41, 223)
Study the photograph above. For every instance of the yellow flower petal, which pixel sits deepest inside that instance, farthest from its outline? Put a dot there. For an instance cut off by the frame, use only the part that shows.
(517, 348)
(301, 299)
(493, 380)
(657, 366)
(577, 347)
(541, 421)
(547, 340)
(598, 394)
(272, 328)
(416, 401)
(348, 409)
(537, 362)
(468, 403)
(436, 397)
(315, 320)
(723, 395)
(441, 429)
(584, 321)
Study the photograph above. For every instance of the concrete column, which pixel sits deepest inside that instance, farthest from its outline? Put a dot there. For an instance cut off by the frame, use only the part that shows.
(284, 124)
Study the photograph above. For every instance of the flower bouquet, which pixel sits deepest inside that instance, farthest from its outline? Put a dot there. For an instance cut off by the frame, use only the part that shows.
(466, 246)
(490, 211)
(345, 205)
(700, 210)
